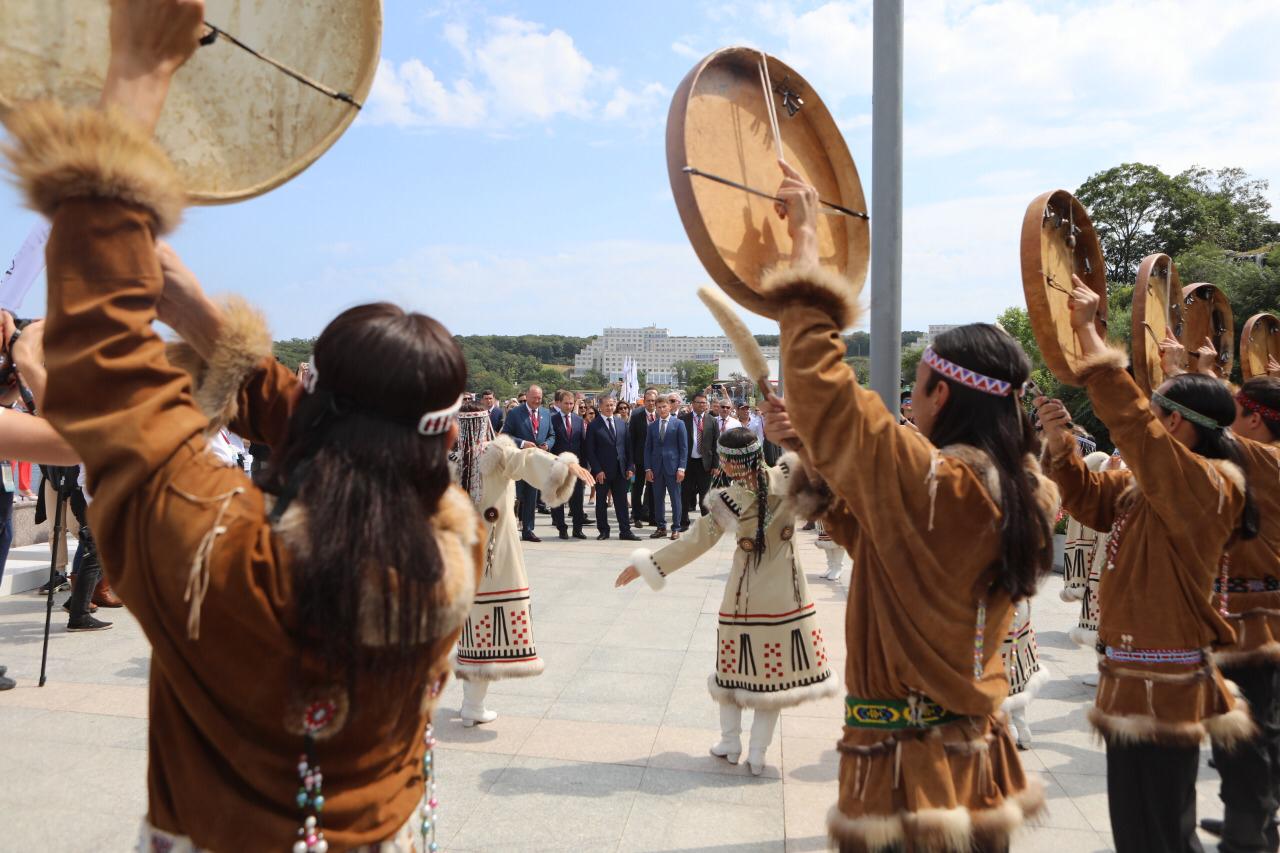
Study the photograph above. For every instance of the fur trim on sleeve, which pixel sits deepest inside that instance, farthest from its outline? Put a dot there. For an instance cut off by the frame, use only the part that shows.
(1110, 357)
(815, 286)
(812, 498)
(642, 560)
(563, 480)
(58, 154)
(243, 343)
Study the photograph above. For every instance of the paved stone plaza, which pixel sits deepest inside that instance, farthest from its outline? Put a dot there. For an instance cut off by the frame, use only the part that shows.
(606, 751)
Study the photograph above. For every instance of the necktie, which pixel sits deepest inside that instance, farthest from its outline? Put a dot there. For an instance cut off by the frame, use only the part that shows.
(609, 423)
(569, 425)
(533, 417)
(722, 423)
(697, 433)
(652, 418)
(662, 431)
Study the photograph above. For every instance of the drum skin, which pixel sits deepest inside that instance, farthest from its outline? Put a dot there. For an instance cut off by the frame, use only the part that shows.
(1259, 340)
(719, 123)
(1207, 314)
(1157, 309)
(1058, 240)
(234, 126)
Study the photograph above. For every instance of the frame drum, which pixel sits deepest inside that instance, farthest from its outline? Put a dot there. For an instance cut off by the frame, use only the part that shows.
(1259, 341)
(719, 124)
(1157, 309)
(1207, 314)
(1058, 240)
(234, 126)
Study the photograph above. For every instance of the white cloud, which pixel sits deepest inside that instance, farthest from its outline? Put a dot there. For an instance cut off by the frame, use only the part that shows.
(636, 106)
(514, 72)
(682, 48)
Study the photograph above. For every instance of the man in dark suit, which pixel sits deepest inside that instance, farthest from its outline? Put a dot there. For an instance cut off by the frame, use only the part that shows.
(665, 453)
(529, 426)
(495, 411)
(701, 427)
(608, 453)
(641, 490)
(570, 433)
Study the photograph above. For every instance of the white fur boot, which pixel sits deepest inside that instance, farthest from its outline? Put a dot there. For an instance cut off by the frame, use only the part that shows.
(835, 564)
(762, 725)
(1022, 731)
(730, 746)
(473, 710)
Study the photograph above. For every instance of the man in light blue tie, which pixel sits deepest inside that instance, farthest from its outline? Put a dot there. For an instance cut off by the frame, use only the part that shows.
(666, 449)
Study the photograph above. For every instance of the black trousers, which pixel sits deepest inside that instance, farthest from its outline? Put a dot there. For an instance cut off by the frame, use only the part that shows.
(527, 495)
(616, 486)
(1250, 773)
(576, 512)
(641, 499)
(87, 565)
(697, 482)
(1151, 793)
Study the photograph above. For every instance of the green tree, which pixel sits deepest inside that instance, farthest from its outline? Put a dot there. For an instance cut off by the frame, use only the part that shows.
(1125, 204)
(294, 351)
(693, 376)
(594, 380)
(910, 360)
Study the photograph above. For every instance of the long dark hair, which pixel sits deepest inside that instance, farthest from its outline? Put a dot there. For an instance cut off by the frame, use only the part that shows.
(1000, 427)
(1265, 390)
(1209, 397)
(370, 483)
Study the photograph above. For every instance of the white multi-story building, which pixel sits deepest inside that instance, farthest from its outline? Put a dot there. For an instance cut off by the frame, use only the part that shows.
(935, 329)
(654, 351)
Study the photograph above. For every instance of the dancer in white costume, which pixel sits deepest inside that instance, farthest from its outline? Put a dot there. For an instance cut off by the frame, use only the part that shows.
(770, 652)
(497, 639)
(1081, 542)
(1025, 672)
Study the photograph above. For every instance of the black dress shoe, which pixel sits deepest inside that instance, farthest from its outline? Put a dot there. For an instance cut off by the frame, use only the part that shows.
(629, 537)
(87, 623)
(578, 534)
(61, 583)
(564, 534)
(3, 671)
(7, 683)
(602, 536)
(810, 526)
(529, 537)
(543, 510)
(637, 524)
(1211, 825)
(660, 533)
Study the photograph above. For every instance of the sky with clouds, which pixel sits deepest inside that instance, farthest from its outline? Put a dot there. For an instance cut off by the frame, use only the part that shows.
(508, 172)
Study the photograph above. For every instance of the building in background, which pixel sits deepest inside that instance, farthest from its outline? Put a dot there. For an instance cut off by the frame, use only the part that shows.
(935, 329)
(653, 351)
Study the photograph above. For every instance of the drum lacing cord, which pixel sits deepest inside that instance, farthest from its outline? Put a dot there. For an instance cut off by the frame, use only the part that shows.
(215, 31)
(198, 575)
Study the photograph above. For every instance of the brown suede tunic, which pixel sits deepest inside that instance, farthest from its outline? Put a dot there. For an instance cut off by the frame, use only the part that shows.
(1254, 614)
(923, 530)
(228, 684)
(1171, 515)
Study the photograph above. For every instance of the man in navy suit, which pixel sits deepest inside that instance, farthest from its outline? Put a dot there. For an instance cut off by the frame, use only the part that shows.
(495, 411)
(665, 450)
(529, 426)
(608, 452)
(570, 434)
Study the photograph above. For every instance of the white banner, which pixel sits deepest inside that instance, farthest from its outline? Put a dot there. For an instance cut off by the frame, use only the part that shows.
(24, 269)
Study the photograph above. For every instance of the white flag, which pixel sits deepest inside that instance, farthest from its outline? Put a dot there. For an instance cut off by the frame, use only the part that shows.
(24, 268)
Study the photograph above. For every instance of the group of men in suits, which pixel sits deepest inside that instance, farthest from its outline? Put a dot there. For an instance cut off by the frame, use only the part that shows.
(666, 458)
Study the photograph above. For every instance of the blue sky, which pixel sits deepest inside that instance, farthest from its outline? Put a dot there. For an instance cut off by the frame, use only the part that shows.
(508, 172)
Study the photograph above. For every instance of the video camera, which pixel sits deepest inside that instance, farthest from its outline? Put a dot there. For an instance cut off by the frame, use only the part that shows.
(9, 370)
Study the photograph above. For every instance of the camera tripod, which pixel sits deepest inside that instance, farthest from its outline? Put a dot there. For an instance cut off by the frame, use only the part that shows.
(63, 481)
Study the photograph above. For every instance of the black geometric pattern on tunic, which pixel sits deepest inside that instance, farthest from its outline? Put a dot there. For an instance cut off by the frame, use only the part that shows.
(799, 651)
(746, 658)
(500, 637)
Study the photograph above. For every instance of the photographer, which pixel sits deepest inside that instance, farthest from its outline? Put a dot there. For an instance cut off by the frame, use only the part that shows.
(23, 436)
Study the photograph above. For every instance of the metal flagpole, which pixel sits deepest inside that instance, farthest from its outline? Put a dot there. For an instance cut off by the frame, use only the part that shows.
(886, 202)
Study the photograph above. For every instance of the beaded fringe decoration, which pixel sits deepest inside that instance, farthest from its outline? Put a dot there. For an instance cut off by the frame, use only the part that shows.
(429, 803)
(979, 638)
(311, 801)
(1224, 583)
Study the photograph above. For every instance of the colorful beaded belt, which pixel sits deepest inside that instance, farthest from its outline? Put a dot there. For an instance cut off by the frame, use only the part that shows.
(1247, 585)
(894, 713)
(1155, 655)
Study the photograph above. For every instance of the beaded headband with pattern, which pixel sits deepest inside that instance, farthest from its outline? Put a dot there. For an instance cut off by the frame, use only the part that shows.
(751, 449)
(970, 378)
(431, 423)
(1187, 412)
(1252, 405)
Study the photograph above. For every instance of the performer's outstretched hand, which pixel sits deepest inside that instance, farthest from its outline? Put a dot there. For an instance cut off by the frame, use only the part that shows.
(777, 423)
(1173, 356)
(1056, 422)
(150, 40)
(799, 207)
(627, 575)
(583, 474)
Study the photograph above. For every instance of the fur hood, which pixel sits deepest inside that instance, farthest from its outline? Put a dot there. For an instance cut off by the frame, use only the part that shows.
(242, 345)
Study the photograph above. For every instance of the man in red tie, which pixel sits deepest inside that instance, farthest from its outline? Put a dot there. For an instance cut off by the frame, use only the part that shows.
(697, 474)
(529, 426)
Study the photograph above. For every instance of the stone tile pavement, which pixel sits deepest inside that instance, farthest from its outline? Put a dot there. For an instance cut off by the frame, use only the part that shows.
(606, 751)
